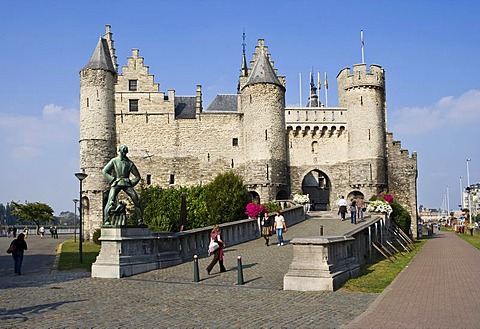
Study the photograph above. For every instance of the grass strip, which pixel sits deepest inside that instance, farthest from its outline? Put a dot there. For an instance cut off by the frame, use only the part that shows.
(376, 276)
(70, 257)
(473, 240)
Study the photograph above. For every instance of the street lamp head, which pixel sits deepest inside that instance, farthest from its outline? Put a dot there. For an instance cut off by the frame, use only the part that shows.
(469, 160)
(75, 200)
(81, 175)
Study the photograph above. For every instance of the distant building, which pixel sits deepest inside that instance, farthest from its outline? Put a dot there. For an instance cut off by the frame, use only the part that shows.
(278, 150)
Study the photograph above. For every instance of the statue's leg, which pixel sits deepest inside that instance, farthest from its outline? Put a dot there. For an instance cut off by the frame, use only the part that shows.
(134, 196)
(112, 196)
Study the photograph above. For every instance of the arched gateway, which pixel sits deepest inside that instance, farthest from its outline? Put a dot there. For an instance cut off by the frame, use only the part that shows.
(317, 185)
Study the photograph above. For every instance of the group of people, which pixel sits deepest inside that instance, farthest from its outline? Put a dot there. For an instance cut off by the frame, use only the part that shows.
(269, 225)
(357, 207)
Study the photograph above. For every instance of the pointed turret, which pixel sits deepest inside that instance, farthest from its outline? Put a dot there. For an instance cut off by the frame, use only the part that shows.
(101, 58)
(263, 72)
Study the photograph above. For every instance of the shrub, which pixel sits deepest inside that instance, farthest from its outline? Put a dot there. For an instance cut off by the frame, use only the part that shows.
(401, 217)
(226, 198)
(272, 207)
(253, 209)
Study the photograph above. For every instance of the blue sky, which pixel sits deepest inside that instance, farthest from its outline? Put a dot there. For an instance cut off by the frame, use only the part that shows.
(429, 49)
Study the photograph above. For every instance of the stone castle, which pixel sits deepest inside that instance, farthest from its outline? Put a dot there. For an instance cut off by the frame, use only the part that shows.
(279, 150)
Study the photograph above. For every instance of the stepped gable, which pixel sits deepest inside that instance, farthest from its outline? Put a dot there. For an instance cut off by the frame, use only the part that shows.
(224, 103)
(101, 58)
(185, 107)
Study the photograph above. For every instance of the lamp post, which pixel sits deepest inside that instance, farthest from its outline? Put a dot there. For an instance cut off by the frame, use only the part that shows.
(469, 196)
(75, 221)
(461, 193)
(448, 201)
(81, 176)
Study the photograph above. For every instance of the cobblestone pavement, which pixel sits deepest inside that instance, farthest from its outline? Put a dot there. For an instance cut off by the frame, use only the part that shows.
(168, 298)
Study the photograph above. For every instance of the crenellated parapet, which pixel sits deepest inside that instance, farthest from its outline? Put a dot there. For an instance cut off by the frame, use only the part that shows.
(360, 77)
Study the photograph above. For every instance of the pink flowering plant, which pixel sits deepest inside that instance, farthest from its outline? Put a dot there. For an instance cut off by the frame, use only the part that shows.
(385, 196)
(253, 209)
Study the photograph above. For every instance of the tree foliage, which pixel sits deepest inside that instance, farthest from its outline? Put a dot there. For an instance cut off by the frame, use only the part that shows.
(401, 216)
(226, 198)
(35, 212)
(221, 201)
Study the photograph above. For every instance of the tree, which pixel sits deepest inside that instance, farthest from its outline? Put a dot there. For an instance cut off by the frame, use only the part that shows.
(33, 212)
(226, 198)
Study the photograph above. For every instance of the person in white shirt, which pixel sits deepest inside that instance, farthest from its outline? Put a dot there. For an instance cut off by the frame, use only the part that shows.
(279, 226)
(342, 207)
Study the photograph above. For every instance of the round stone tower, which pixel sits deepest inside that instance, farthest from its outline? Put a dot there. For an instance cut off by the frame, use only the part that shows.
(263, 105)
(363, 94)
(97, 131)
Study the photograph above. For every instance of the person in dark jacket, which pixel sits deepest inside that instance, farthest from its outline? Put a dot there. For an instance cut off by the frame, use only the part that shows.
(267, 225)
(20, 246)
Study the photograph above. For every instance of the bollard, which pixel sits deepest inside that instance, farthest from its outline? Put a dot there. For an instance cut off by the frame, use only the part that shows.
(240, 270)
(321, 230)
(196, 274)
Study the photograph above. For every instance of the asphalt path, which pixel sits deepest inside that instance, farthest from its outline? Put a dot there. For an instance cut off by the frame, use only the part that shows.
(39, 258)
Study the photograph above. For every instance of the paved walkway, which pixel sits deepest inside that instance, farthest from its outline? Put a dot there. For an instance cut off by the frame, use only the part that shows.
(440, 288)
(169, 298)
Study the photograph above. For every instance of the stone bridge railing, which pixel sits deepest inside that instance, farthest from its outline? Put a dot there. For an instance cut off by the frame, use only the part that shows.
(327, 262)
(129, 251)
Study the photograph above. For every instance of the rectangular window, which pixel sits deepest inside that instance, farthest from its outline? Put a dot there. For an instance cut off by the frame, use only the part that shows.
(133, 105)
(172, 179)
(132, 85)
(149, 179)
(235, 142)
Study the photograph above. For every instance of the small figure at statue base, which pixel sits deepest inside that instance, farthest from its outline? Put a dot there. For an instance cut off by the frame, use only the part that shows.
(117, 217)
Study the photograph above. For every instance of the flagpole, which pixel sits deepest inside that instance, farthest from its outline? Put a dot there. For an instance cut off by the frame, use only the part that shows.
(363, 44)
(319, 87)
(300, 81)
(326, 90)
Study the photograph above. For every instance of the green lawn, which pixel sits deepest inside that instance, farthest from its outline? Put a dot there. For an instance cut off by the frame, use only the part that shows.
(70, 257)
(473, 240)
(376, 276)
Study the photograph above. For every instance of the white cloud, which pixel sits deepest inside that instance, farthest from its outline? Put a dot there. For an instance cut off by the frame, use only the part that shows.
(449, 111)
(24, 137)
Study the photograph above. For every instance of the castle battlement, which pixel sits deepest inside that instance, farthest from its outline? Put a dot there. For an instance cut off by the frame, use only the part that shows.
(360, 77)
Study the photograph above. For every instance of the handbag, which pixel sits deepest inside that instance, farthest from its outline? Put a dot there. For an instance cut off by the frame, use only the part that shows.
(213, 246)
(11, 249)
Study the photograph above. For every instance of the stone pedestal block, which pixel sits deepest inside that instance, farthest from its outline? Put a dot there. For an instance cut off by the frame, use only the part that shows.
(321, 263)
(129, 251)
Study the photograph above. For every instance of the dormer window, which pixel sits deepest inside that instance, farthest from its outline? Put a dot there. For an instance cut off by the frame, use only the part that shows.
(132, 85)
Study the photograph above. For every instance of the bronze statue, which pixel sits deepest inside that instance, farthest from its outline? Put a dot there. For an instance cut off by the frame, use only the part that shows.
(117, 174)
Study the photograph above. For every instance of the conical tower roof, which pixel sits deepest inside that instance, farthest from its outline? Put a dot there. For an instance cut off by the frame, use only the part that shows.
(263, 72)
(101, 58)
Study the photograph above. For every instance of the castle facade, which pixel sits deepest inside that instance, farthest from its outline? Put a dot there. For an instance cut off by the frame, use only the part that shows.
(322, 151)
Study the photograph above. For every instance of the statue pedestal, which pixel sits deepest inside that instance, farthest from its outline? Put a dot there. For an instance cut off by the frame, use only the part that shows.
(321, 263)
(127, 251)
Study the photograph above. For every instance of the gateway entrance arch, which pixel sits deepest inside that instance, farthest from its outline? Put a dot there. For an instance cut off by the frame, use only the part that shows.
(317, 185)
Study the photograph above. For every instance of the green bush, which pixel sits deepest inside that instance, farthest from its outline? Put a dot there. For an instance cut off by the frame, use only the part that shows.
(96, 235)
(226, 198)
(221, 201)
(401, 216)
(272, 207)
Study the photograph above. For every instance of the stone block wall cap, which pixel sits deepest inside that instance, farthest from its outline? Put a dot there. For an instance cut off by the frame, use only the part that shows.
(321, 239)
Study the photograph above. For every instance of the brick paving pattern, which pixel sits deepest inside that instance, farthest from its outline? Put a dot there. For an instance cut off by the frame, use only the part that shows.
(439, 289)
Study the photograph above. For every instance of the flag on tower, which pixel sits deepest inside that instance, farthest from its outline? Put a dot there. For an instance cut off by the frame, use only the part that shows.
(319, 81)
(326, 81)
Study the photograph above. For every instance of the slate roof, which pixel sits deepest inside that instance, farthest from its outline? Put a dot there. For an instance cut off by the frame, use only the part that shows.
(224, 103)
(185, 107)
(101, 58)
(263, 72)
